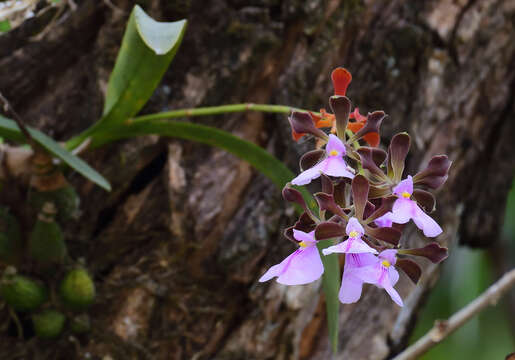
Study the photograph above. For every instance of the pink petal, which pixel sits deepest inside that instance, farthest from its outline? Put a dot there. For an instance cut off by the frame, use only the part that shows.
(369, 274)
(336, 166)
(306, 176)
(403, 210)
(351, 246)
(424, 222)
(335, 143)
(390, 255)
(350, 291)
(305, 267)
(359, 260)
(405, 185)
(393, 274)
(354, 225)
(394, 295)
(385, 220)
(278, 269)
(303, 236)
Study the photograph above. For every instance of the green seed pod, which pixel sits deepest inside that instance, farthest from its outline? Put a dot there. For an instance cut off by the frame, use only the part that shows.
(46, 243)
(11, 243)
(48, 324)
(65, 199)
(22, 293)
(80, 324)
(77, 289)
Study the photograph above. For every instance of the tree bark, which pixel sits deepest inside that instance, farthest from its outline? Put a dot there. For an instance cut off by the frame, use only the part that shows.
(178, 245)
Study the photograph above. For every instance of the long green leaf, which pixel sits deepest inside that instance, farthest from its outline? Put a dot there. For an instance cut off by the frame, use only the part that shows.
(10, 130)
(147, 49)
(264, 162)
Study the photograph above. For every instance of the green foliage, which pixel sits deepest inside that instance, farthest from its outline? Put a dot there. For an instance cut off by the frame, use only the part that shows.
(10, 130)
(5, 26)
(22, 293)
(147, 49)
(48, 324)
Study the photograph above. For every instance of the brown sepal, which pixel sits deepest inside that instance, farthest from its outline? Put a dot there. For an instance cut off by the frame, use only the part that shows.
(410, 268)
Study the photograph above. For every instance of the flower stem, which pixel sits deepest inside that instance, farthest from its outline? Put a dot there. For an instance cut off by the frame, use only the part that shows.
(216, 110)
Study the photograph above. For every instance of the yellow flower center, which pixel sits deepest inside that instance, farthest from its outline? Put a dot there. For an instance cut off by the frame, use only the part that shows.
(385, 263)
(406, 194)
(303, 244)
(334, 153)
(353, 234)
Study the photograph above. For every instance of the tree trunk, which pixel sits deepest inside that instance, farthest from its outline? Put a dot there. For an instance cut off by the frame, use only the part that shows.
(177, 247)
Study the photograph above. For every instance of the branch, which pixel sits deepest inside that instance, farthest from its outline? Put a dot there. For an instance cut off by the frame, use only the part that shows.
(444, 328)
(17, 118)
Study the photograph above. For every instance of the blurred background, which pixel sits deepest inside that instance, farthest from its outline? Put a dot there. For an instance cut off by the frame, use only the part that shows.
(176, 248)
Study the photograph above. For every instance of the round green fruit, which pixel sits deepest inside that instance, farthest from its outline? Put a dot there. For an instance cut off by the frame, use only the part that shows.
(77, 289)
(48, 324)
(22, 293)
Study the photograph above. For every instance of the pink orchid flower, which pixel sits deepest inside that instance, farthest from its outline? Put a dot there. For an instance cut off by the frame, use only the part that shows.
(332, 165)
(405, 209)
(302, 266)
(380, 273)
(354, 244)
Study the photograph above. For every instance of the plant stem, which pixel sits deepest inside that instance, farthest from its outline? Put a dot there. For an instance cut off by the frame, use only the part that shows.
(216, 110)
(444, 328)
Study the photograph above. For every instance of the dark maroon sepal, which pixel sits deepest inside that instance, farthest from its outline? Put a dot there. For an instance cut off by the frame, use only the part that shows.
(435, 174)
(360, 188)
(310, 159)
(386, 205)
(410, 268)
(302, 122)
(425, 199)
(305, 223)
(386, 234)
(292, 195)
(377, 191)
(327, 184)
(341, 106)
(288, 234)
(369, 210)
(373, 124)
(366, 155)
(326, 202)
(434, 252)
(339, 193)
(397, 152)
(328, 230)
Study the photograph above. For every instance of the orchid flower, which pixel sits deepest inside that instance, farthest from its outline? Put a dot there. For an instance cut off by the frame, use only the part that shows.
(380, 273)
(405, 209)
(302, 266)
(332, 165)
(354, 244)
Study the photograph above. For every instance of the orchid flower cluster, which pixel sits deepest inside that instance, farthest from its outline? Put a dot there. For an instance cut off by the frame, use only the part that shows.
(363, 203)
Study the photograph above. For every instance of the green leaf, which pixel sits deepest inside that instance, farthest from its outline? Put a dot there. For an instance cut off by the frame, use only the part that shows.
(5, 26)
(10, 130)
(331, 286)
(147, 49)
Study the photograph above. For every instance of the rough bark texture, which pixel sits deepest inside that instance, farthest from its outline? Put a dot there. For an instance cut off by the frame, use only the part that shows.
(177, 247)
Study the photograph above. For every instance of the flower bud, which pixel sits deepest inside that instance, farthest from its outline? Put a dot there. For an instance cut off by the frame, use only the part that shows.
(77, 289)
(46, 243)
(48, 324)
(65, 199)
(80, 324)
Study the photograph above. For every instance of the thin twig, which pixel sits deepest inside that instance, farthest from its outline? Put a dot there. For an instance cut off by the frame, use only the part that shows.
(444, 328)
